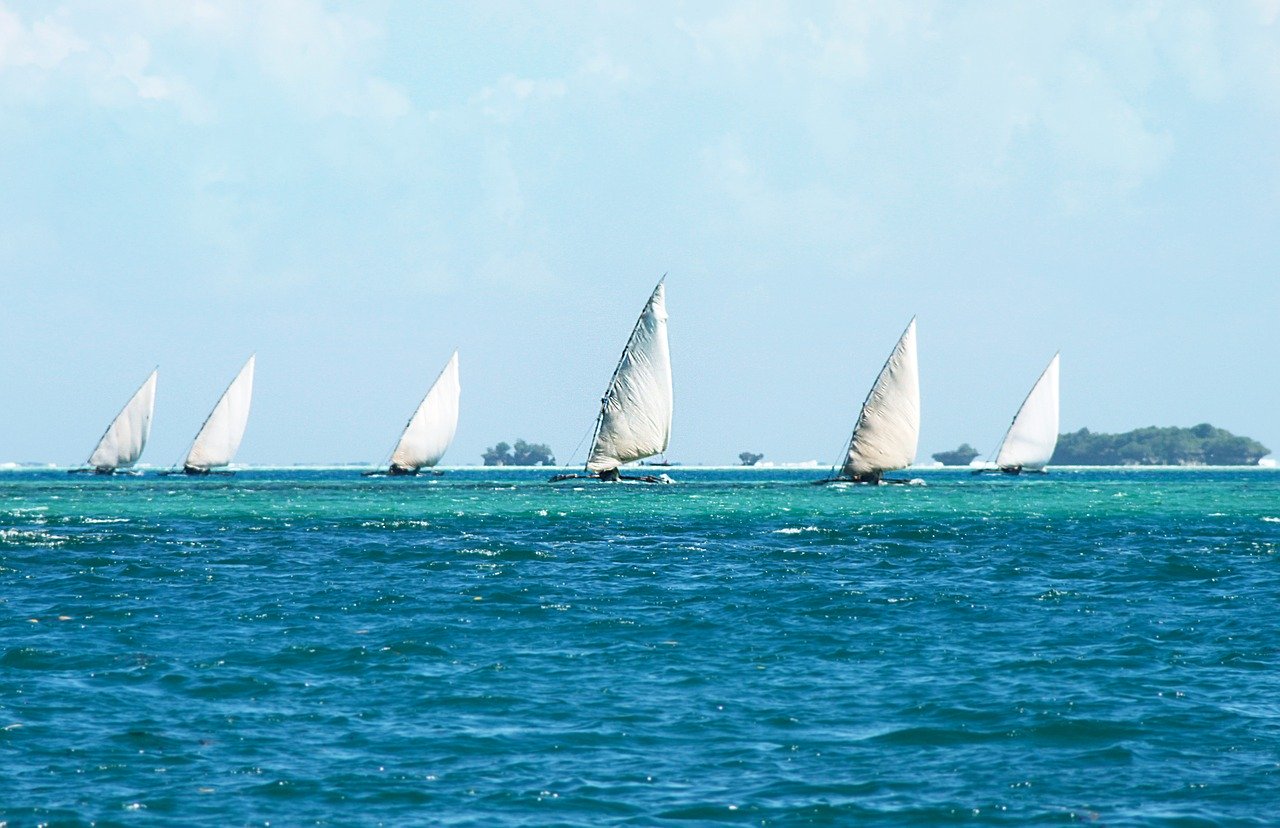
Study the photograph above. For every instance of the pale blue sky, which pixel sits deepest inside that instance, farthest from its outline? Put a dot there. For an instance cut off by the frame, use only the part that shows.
(352, 190)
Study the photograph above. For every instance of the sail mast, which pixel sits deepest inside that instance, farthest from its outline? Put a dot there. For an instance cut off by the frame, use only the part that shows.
(613, 378)
(634, 420)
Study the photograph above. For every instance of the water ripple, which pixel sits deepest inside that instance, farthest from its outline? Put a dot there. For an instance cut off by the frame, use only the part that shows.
(316, 648)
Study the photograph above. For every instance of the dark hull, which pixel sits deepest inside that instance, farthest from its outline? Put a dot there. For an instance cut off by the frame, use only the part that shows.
(865, 480)
(400, 471)
(616, 478)
(192, 471)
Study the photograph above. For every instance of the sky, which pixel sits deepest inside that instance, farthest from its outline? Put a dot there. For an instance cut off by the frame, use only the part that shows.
(351, 191)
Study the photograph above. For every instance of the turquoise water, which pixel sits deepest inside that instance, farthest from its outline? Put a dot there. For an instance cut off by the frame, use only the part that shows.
(484, 649)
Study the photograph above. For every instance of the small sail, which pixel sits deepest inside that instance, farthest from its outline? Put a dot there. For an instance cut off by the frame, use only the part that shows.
(888, 427)
(126, 437)
(431, 428)
(220, 436)
(635, 414)
(1033, 435)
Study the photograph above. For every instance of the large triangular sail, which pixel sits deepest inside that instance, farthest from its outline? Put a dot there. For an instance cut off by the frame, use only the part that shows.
(1033, 435)
(888, 427)
(220, 436)
(635, 414)
(126, 437)
(430, 430)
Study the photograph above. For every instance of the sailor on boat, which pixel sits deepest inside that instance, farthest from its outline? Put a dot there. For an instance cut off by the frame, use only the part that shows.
(635, 413)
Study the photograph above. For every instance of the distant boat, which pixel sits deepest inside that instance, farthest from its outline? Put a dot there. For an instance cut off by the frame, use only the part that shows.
(635, 414)
(1033, 435)
(888, 428)
(430, 430)
(126, 437)
(219, 438)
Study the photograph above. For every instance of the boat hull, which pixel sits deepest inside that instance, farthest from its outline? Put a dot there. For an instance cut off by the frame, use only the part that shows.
(869, 480)
(659, 479)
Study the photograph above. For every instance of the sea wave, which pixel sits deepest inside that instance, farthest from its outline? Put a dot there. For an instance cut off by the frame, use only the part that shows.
(32, 537)
(743, 648)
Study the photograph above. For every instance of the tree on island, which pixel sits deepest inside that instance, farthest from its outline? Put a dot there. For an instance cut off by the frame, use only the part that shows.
(524, 454)
(750, 459)
(1202, 445)
(957, 457)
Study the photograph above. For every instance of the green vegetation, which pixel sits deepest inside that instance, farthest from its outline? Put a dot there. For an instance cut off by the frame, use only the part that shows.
(957, 457)
(1201, 445)
(750, 459)
(525, 454)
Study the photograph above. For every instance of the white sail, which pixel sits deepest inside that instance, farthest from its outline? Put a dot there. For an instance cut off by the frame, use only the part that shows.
(635, 414)
(1033, 435)
(220, 436)
(126, 437)
(431, 428)
(888, 427)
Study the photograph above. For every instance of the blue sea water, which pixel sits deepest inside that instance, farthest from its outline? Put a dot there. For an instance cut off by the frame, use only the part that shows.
(314, 648)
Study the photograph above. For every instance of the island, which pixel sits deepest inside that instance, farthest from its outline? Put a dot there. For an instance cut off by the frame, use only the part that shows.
(1202, 445)
(749, 458)
(957, 457)
(523, 454)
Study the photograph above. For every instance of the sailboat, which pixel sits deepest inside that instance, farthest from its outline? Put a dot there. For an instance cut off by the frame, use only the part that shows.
(219, 438)
(1033, 434)
(888, 428)
(635, 413)
(430, 430)
(126, 437)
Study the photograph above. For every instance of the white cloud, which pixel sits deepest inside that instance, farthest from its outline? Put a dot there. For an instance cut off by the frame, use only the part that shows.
(811, 213)
(501, 184)
(883, 94)
(44, 44)
(520, 272)
(113, 69)
(127, 65)
(318, 59)
(508, 99)
(604, 65)
(746, 33)
(1096, 130)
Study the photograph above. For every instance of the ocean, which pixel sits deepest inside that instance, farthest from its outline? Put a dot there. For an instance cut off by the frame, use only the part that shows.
(482, 648)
